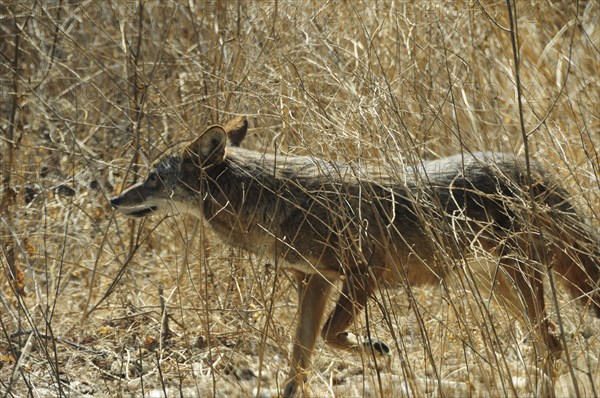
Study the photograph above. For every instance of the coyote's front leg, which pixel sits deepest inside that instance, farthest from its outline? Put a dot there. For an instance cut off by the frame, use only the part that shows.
(313, 292)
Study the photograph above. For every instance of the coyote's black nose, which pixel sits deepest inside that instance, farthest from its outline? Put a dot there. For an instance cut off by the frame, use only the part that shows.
(114, 202)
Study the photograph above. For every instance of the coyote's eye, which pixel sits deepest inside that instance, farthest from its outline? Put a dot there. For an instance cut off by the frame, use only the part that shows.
(153, 178)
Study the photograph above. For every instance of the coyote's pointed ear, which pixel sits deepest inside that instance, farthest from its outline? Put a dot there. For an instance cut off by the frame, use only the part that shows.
(236, 130)
(209, 147)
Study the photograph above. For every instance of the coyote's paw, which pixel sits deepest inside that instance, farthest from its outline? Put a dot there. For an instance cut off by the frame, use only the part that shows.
(552, 338)
(379, 347)
(351, 342)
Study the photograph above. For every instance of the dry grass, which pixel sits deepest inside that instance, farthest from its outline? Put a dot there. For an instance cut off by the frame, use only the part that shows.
(92, 91)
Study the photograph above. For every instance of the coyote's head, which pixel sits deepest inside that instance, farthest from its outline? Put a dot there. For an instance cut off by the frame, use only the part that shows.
(174, 181)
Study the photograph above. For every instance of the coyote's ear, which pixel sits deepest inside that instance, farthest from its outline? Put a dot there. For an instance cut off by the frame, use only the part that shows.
(209, 147)
(236, 130)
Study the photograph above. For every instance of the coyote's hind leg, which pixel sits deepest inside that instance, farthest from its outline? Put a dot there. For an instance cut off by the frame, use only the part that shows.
(529, 283)
(351, 302)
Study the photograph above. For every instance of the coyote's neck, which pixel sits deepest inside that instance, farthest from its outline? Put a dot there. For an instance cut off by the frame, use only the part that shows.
(250, 196)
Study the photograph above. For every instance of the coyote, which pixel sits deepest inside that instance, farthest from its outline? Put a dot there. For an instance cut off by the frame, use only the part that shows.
(369, 228)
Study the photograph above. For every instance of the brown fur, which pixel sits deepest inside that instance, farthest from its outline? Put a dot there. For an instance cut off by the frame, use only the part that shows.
(330, 221)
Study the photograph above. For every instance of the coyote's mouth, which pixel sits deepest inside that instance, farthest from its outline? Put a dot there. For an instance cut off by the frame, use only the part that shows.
(140, 213)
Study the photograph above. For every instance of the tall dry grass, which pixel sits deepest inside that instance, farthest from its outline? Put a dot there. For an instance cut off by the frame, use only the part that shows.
(91, 92)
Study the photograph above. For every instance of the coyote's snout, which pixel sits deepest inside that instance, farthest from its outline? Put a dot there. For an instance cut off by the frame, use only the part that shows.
(368, 228)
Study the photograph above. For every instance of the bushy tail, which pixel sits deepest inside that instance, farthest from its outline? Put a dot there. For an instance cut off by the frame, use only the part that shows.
(574, 248)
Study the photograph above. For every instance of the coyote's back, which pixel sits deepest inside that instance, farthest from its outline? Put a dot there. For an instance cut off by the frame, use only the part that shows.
(368, 227)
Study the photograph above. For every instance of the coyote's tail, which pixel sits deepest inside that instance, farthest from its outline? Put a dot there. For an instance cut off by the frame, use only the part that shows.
(574, 246)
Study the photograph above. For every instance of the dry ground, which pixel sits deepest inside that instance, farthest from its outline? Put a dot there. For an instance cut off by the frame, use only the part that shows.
(92, 304)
